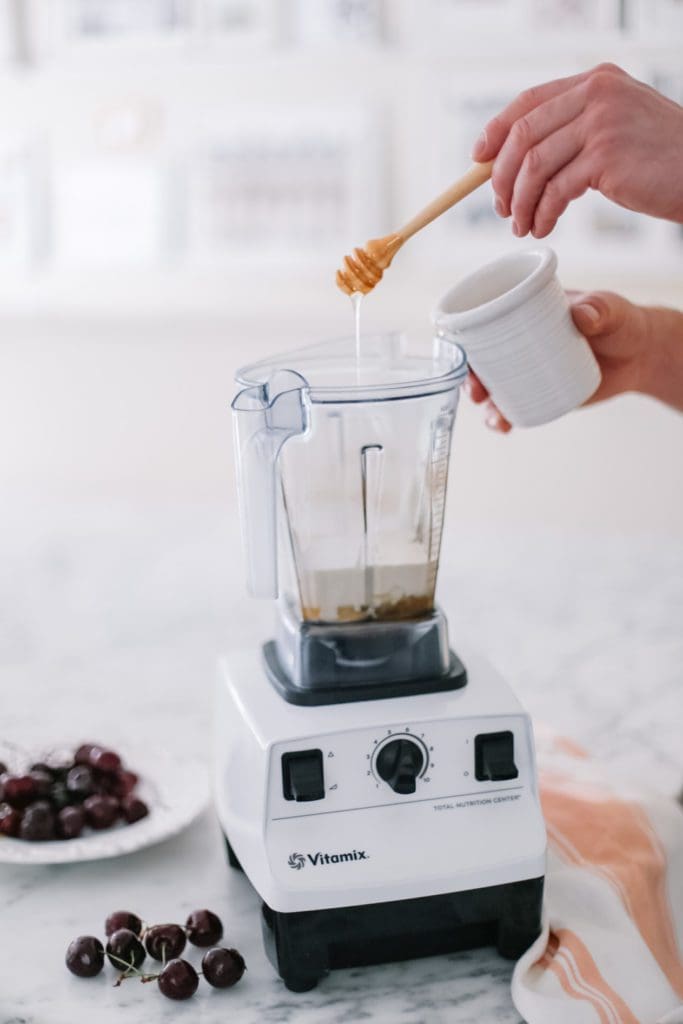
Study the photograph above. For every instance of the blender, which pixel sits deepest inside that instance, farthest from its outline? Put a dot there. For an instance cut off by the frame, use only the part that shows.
(376, 785)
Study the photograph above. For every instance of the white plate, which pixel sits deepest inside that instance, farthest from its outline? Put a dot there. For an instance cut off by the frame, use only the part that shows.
(176, 790)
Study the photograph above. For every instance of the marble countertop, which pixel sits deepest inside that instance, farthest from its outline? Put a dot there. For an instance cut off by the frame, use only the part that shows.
(111, 618)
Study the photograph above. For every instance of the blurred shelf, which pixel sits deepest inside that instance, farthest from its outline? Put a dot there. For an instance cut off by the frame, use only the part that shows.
(127, 150)
(143, 64)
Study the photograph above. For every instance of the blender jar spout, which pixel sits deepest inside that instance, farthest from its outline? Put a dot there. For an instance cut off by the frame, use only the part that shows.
(265, 416)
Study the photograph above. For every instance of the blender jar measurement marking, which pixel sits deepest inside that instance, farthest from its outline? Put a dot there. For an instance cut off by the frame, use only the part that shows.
(436, 492)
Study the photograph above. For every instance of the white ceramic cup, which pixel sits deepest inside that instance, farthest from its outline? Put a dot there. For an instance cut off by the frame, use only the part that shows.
(512, 318)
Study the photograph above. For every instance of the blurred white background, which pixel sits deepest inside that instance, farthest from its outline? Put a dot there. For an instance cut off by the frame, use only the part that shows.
(180, 178)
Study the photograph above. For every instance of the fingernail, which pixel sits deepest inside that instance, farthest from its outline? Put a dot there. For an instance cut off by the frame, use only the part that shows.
(479, 145)
(492, 420)
(590, 312)
(498, 206)
(515, 229)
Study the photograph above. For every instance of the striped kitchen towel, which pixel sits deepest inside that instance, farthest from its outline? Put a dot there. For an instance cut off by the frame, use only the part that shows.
(611, 951)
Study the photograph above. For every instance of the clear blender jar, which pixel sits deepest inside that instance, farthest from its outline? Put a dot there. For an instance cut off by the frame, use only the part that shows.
(342, 472)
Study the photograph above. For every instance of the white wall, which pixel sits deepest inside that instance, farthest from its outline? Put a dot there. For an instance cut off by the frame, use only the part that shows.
(141, 410)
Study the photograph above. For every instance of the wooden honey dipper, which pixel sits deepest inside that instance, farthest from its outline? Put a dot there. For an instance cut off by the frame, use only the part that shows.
(365, 271)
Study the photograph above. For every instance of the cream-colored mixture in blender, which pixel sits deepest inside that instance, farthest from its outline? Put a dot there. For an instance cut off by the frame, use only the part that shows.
(396, 592)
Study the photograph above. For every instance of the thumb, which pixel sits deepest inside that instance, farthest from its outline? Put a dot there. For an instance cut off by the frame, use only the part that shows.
(598, 312)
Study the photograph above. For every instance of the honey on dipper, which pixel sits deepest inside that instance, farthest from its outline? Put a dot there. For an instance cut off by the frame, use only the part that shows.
(365, 271)
(362, 271)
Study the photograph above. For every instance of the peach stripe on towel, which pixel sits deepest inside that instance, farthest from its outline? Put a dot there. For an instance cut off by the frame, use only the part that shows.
(568, 958)
(614, 839)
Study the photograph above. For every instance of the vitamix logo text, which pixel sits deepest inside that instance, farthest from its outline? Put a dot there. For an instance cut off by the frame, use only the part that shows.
(298, 860)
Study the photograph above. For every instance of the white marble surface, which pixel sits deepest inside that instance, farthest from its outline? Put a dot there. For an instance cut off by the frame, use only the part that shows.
(110, 622)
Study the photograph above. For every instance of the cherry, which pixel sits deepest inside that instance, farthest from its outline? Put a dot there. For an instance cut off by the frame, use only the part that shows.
(165, 941)
(178, 980)
(125, 950)
(10, 819)
(43, 781)
(223, 967)
(85, 956)
(104, 760)
(60, 796)
(80, 782)
(123, 783)
(70, 822)
(203, 928)
(133, 809)
(101, 811)
(20, 790)
(38, 822)
(122, 919)
(84, 753)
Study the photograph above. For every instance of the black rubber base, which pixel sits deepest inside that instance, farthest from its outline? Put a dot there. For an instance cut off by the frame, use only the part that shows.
(303, 947)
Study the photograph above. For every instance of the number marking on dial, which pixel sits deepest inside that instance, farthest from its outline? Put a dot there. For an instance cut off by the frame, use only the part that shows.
(413, 741)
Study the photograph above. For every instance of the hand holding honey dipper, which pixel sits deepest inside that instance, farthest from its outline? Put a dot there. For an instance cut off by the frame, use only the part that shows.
(364, 270)
(602, 130)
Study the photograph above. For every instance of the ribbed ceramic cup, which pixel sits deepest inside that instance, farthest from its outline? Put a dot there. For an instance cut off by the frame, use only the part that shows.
(512, 318)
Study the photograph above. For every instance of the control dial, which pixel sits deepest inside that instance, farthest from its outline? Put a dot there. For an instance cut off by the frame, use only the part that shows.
(399, 762)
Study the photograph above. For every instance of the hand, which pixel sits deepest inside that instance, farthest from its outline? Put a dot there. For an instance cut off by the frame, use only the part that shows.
(620, 335)
(602, 130)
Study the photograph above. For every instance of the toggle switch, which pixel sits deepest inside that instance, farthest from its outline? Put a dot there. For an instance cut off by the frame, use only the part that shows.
(302, 775)
(494, 757)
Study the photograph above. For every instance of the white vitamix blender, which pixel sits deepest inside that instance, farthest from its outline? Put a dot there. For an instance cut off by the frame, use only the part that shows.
(378, 788)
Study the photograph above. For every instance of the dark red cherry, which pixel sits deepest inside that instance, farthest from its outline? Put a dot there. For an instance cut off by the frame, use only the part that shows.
(125, 950)
(223, 968)
(122, 919)
(204, 928)
(133, 809)
(85, 956)
(178, 980)
(165, 941)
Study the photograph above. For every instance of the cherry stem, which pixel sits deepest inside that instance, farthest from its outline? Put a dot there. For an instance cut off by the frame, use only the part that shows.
(130, 971)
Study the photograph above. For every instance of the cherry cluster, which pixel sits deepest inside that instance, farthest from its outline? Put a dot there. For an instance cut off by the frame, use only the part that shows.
(58, 799)
(130, 941)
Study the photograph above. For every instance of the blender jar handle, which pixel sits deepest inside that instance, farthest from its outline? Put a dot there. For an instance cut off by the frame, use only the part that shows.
(264, 417)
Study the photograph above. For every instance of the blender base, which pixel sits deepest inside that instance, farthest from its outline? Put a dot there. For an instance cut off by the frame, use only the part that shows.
(305, 946)
(353, 871)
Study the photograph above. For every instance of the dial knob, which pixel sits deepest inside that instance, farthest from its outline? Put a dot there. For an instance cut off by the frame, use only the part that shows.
(399, 763)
